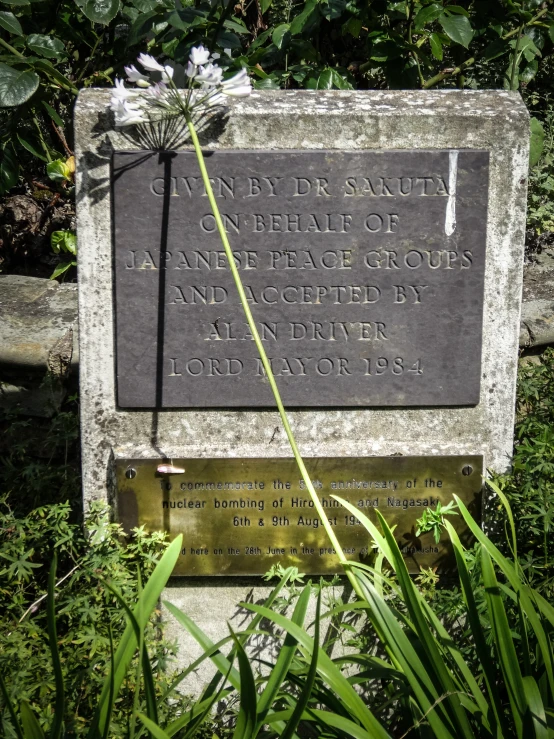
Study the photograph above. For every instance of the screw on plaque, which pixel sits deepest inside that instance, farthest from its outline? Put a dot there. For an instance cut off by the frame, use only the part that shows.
(467, 470)
(130, 473)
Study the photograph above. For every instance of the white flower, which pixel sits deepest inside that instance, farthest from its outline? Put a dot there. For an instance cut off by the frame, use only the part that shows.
(199, 55)
(211, 74)
(149, 63)
(206, 89)
(122, 92)
(128, 114)
(133, 75)
(239, 85)
(167, 74)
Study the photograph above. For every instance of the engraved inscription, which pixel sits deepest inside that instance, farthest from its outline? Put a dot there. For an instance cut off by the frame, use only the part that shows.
(240, 516)
(364, 272)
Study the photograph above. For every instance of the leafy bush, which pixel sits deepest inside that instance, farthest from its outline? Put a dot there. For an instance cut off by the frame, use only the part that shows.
(52, 49)
(89, 614)
(530, 488)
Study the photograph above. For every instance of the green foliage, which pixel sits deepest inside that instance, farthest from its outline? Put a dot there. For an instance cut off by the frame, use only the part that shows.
(52, 49)
(540, 214)
(417, 679)
(63, 241)
(39, 460)
(530, 488)
(73, 688)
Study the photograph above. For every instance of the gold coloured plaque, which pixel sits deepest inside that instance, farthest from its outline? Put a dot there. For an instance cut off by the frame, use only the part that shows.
(241, 516)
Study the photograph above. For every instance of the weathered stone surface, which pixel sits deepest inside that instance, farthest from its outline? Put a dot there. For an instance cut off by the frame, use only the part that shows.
(537, 310)
(494, 121)
(38, 342)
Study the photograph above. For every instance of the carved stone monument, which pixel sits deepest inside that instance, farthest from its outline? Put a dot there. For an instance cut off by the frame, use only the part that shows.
(379, 236)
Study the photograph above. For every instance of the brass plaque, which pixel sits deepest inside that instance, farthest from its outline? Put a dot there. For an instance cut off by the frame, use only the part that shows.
(241, 516)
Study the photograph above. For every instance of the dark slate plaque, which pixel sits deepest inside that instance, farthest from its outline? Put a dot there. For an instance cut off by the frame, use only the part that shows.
(364, 271)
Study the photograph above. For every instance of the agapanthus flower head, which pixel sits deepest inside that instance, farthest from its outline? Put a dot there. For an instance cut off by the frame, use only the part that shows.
(155, 100)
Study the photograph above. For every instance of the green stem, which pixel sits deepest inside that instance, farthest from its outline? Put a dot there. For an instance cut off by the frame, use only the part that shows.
(515, 63)
(11, 49)
(265, 361)
(92, 53)
(41, 139)
(443, 75)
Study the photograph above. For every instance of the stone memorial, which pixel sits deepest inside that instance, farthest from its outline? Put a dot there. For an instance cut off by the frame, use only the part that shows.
(379, 236)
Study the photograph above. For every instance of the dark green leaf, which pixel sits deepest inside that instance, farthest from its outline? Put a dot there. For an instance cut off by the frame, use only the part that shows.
(457, 10)
(144, 6)
(31, 726)
(16, 86)
(10, 23)
(551, 33)
(143, 25)
(182, 19)
(9, 169)
(45, 45)
(246, 719)
(529, 72)
(333, 9)
(266, 84)
(537, 141)
(235, 25)
(101, 11)
(265, 5)
(353, 26)
(16, 2)
(281, 36)
(59, 706)
(496, 48)
(457, 28)
(307, 19)
(228, 40)
(427, 14)
(53, 115)
(436, 46)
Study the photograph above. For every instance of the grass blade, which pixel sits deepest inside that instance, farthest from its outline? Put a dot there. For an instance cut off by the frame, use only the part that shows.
(31, 727)
(112, 690)
(284, 660)
(59, 705)
(481, 647)
(11, 709)
(248, 712)
(128, 644)
(328, 671)
(152, 727)
(306, 692)
(536, 706)
(504, 644)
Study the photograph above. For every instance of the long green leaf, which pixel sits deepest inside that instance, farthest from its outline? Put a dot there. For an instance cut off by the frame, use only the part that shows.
(152, 727)
(306, 692)
(219, 660)
(248, 711)
(128, 644)
(481, 647)
(11, 708)
(536, 706)
(529, 597)
(435, 661)
(284, 660)
(504, 644)
(31, 727)
(59, 705)
(148, 678)
(328, 671)
(407, 659)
